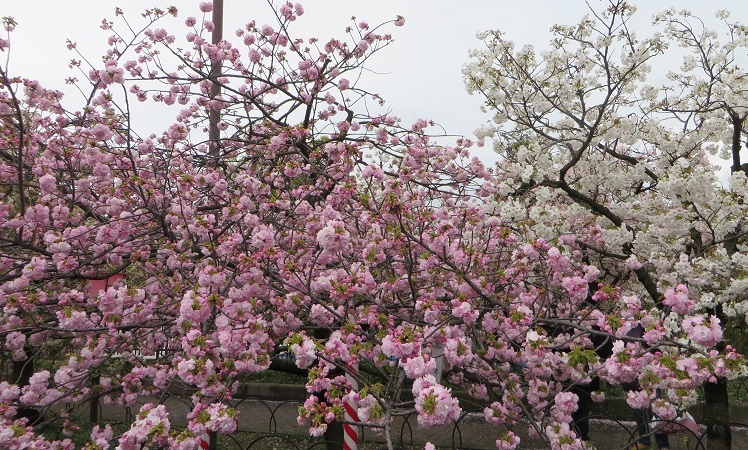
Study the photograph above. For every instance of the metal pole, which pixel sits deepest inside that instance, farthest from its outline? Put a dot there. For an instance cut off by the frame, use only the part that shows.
(213, 440)
(215, 72)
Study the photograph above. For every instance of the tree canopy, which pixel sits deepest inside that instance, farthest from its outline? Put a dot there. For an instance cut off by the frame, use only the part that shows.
(302, 225)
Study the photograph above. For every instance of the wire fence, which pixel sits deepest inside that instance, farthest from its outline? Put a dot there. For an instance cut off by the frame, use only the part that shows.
(272, 424)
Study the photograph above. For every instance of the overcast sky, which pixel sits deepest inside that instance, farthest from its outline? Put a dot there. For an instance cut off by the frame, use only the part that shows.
(419, 74)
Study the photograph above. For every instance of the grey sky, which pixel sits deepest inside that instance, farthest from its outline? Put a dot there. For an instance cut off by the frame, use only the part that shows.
(419, 74)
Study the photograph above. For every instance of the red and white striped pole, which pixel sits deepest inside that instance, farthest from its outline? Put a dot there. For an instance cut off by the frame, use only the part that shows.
(350, 431)
(204, 441)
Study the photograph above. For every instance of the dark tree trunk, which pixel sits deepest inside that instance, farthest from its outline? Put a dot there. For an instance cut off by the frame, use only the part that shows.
(22, 372)
(213, 440)
(334, 435)
(716, 400)
(93, 411)
(717, 415)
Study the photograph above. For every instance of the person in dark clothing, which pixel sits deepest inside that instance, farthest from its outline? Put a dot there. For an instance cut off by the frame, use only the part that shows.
(643, 417)
(581, 416)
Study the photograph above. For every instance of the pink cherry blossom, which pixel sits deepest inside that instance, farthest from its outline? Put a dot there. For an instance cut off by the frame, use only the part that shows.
(318, 233)
(678, 300)
(435, 404)
(101, 132)
(334, 237)
(639, 399)
(701, 332)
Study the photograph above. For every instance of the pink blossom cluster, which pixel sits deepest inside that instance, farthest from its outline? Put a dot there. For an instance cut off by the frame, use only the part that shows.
(316, 235)
(509, 441)
(434, 403)
(678, 300)
(702, 332)
(317, 414)
(216, 418)
(151, 428)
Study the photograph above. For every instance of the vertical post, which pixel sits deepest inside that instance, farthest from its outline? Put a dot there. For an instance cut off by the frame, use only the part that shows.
(215, 73)
(437, 353)
(350, 431)
(207, 441)
(213, 440)
(93, 411)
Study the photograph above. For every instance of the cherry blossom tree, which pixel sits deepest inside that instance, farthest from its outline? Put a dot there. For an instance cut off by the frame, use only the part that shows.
(587, 144)
(317, 230)
(196, 227)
